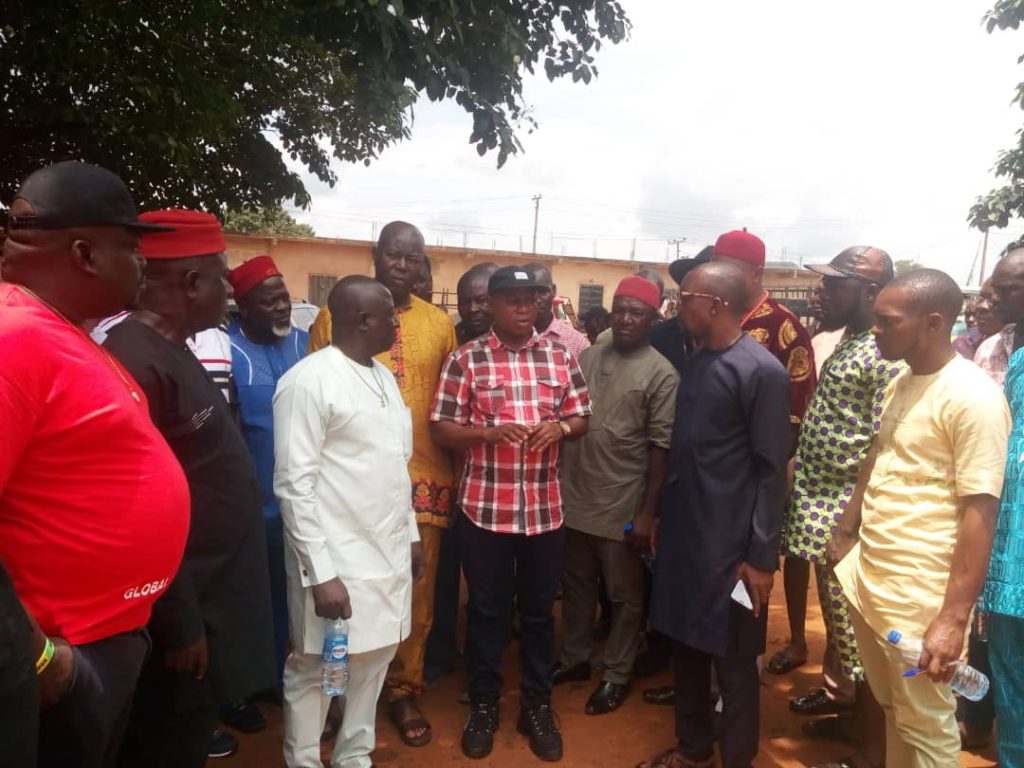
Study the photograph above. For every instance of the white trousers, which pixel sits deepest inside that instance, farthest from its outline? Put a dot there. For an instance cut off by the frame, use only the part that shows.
(305, 709)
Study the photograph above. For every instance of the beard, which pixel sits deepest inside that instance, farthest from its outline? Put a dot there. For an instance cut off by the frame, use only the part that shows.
(281, 331)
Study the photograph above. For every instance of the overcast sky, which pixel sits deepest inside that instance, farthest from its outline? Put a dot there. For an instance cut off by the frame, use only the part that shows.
(815, 124)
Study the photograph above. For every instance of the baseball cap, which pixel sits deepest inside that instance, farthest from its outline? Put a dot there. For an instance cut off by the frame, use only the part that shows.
(73, 194)
(510, 278)
(862, 262)
(680, 268)
(742, 246)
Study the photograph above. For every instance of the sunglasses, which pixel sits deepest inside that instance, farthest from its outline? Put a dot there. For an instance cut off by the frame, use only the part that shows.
(683, 295)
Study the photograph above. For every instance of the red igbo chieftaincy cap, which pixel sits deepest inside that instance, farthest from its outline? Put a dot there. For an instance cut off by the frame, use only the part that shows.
(195, 234)
(248, 275)
(742, 246)
(642, 289)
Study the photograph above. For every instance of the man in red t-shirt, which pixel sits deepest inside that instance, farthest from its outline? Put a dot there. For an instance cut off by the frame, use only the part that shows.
(93, 505)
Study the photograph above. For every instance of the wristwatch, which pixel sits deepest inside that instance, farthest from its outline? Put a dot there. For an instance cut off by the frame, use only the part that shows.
(566, 429)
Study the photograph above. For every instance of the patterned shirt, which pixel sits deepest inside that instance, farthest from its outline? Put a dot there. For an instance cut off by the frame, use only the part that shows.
(841, 422)
(779, 331)
(508, 488)
(567, 336)
(995, 352)
(1004, 590)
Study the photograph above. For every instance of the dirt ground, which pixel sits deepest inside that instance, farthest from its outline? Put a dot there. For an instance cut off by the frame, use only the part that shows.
(622, 738)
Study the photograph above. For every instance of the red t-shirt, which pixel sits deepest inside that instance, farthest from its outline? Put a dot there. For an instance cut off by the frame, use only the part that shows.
(94, 507)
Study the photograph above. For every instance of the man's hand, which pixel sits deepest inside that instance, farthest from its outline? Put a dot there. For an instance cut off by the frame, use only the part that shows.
(331, 600)
(191, 659)
(507, 434)
(419, 561)
(759, 585)
(839, 546)
(544, 435)
(56, 678)
(942, 646)
(642, 538)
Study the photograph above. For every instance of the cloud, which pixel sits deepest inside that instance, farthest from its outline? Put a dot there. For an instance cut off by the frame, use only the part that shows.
(817, 125)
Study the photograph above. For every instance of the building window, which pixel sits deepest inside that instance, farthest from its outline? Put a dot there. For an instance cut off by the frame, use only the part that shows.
(590, 296)
(320, 288)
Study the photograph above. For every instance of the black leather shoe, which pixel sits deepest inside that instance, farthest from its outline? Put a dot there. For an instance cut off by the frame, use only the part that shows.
(607, 697)
(565, 674)
(817, 703)
(222, 745)
(665, 695)
(243, 717)
(478, 735)
(539, 724)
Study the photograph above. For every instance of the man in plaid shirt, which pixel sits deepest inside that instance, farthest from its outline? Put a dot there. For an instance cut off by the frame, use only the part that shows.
(508, 399)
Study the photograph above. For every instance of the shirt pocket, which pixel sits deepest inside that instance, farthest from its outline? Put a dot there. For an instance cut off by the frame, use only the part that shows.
(626, 419)
(551, 391)
(489, 397)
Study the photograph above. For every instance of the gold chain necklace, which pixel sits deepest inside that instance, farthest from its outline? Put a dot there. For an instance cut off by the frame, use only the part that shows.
(382, 394)
(107, 357)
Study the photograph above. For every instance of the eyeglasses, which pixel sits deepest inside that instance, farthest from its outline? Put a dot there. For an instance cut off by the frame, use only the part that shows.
(683, 295)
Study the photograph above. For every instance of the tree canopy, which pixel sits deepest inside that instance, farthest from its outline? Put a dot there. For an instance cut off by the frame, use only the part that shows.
(190, 100)
(272, 220)
(1006, 202)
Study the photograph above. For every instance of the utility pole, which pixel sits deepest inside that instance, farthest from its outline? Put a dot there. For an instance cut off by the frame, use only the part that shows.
(536, 216)
(984, 253)
(677, 242)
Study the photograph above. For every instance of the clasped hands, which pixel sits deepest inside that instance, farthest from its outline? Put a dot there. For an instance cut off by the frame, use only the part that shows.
(536, 437)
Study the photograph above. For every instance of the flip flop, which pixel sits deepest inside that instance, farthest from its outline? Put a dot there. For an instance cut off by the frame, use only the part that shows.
(407, 718)
(781, 663)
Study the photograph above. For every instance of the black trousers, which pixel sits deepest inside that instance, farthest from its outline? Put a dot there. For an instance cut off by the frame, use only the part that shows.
(741, 699)
(85, 727)
(499, 566)
(442, 643)
(19, 690)
(172, 721)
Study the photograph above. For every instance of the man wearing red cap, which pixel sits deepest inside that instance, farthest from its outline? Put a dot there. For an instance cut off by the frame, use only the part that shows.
(93, 504)
(779, 331)
(211, 631)
(611, 479)
(264, 345)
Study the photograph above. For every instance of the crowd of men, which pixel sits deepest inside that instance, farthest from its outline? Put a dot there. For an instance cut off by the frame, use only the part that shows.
(173, 544)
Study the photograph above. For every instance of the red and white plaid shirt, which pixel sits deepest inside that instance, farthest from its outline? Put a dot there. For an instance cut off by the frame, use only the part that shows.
(508, 488)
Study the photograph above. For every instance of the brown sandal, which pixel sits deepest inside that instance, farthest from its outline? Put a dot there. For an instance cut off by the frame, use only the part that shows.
(671, 758)
(407, 718)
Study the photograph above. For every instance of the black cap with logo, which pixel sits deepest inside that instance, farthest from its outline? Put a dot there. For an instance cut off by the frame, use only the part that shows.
(73, 194)
(510, 278)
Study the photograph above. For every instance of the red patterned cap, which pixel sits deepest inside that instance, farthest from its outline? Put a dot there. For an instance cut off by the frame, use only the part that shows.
(247, 276)
(195, 234)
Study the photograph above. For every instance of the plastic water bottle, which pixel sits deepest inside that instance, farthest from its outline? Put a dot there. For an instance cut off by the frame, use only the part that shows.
(334, 676)
(646, 557)
(966, 680)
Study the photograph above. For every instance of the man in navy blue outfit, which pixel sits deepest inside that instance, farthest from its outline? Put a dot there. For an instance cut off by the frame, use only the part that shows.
(721, 516)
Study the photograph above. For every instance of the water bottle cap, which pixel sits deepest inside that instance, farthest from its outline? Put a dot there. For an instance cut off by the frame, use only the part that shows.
(894, 637)
(628, 528)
